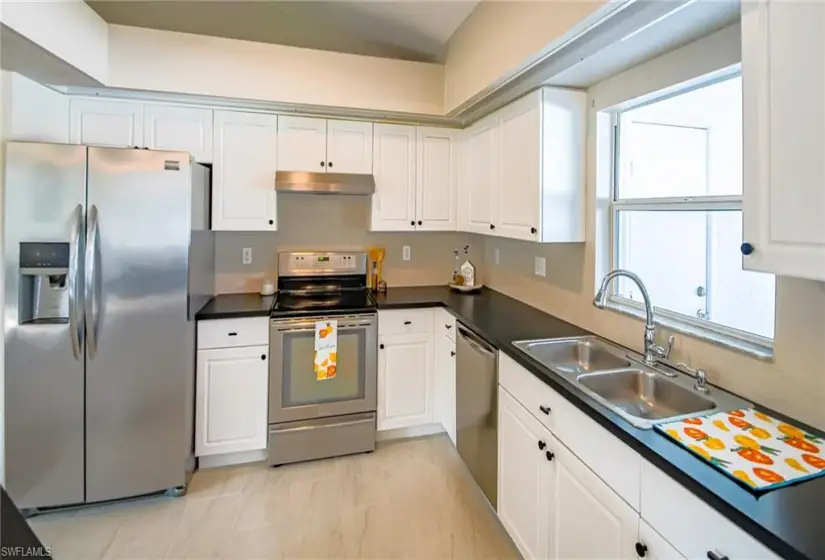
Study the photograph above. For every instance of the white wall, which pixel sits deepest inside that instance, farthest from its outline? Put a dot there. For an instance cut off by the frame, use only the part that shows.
(499, 36)
(148, 59)
(34, 112)
(69, 29)
(792, 382)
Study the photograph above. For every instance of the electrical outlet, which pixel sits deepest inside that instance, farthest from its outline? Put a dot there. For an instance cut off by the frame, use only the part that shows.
(406, 252)
(247, 255)
(541, 266)
(496, 256)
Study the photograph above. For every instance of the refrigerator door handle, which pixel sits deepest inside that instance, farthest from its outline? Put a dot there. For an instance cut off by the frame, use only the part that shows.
(91, 301)
(76, 323)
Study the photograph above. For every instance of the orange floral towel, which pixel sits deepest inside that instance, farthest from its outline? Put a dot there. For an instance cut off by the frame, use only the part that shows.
(326, 349)
(761, 452)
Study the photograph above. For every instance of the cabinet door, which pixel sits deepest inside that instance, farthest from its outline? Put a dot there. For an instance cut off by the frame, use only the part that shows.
(183, 129)
(243, 175)
(481, 176)
(783, 197)
(585, 506)
(393, 204)
(444, 387)
(437, 179)
(115, 124)
(655, 545)
(349, 147)
(302, 144)
(231, 401)
(526, 479)
(518, 198)
(405, 381)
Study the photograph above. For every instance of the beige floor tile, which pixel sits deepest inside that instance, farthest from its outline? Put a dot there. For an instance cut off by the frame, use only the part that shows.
(408, 499)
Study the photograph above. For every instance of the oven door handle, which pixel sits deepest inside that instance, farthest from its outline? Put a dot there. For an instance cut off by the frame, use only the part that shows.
(304, 325)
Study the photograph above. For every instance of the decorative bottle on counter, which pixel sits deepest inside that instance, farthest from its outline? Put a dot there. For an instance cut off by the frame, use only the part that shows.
(468, 273)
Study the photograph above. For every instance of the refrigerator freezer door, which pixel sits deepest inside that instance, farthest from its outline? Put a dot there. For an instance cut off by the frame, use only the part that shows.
(136, 439)
(45, 188)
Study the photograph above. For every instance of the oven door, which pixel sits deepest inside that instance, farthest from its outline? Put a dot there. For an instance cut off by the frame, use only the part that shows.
(294, 391)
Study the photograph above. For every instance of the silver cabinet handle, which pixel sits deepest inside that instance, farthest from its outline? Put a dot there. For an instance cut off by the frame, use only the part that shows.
(76, 323)
(91, 303)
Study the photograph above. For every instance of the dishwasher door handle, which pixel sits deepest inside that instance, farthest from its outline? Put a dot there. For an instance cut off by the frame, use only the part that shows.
(476, 345)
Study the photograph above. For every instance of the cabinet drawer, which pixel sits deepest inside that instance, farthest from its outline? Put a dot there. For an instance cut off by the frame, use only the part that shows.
(617, 464)
(228, 333)
(405, 321)
(670, 508)
(444, 323)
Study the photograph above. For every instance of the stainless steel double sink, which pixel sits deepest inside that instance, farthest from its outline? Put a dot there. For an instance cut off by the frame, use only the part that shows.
(642, 395)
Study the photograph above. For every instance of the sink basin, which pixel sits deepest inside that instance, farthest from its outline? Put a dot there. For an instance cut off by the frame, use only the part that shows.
(573, 355)
(645, 395)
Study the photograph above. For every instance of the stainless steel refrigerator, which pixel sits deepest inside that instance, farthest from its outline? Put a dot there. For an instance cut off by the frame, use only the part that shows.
(108, 256)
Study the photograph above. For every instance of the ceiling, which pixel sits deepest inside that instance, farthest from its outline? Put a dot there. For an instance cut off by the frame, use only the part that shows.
(407, 30)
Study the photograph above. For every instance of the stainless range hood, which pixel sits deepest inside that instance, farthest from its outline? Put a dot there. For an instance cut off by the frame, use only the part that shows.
(325, 183)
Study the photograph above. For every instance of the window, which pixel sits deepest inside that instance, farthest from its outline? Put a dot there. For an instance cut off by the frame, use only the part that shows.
(677, 213)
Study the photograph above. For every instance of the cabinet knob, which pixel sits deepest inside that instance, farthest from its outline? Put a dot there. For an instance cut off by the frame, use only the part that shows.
(381, 346)
(419, 222)
(542, 445)
(408, 322)
(550, 455)
(492, 226)
(716, 555)
(533, 230)
(545, 409)
(641, 550)
(412, 222)
(329, 164)
(452, 353)
(448, 327)
(263, 356)
(746, 248)
(271, 222)
(323, 163)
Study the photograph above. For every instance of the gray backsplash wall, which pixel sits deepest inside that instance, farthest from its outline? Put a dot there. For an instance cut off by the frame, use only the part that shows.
(335, 222)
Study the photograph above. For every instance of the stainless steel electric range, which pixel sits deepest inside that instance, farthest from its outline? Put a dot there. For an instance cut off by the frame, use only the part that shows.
(312, 418)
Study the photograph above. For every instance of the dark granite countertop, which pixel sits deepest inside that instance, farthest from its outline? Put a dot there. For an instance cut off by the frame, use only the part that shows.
(789, 520)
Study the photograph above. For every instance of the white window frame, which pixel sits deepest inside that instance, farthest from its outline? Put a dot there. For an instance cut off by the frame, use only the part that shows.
(737, 339)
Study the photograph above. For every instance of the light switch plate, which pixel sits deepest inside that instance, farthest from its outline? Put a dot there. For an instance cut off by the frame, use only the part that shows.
(406, 252)
(541, 266)
(496, 256)
(247, 255)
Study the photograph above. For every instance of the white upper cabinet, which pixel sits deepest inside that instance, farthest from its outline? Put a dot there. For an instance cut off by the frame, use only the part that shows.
(302, 144)
(540, 187)
(320, 145)
(393, 204)
(480, 176)
(436, 179)
(174, 128)
(349, 147)
(243, 175)
(115, 124)
(783, 146)
(518, 196)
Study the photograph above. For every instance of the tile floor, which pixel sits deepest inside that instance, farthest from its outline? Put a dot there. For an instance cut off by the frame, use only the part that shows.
(409, 499)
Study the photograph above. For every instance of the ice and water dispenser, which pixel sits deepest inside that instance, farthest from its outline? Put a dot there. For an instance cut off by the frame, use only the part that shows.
(44, 294)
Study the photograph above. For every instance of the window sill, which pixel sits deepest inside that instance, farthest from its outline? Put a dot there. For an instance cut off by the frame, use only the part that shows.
(750, 348)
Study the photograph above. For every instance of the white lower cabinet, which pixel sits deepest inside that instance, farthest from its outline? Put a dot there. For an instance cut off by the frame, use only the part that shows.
(551, 504)
(655, 546)
(231, 400)
(559, 507)
(405, 380)
(444, 365)
(525, 479)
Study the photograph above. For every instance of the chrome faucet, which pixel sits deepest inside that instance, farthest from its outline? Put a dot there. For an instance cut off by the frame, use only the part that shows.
(652, 350)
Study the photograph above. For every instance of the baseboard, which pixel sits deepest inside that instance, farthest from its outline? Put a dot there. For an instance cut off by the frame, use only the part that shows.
(409, 432)
(226, 459)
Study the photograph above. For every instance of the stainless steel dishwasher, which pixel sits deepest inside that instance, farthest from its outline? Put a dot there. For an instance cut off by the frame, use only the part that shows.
(477, 409)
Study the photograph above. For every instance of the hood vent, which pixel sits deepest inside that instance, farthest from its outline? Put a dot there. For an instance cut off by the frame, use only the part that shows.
(324, 183)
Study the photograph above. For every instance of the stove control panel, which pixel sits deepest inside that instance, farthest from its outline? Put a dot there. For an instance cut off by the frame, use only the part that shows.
(298, 264)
